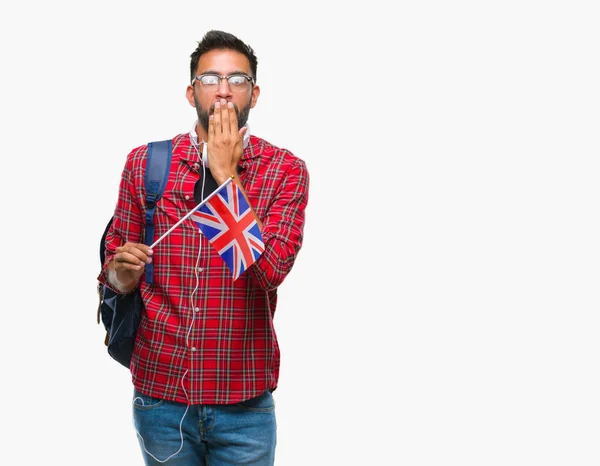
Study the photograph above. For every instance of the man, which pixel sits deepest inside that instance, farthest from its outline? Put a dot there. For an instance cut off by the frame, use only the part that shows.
(206, 358)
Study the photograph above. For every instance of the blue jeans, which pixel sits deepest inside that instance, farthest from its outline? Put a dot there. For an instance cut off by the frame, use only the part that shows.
(213, 435)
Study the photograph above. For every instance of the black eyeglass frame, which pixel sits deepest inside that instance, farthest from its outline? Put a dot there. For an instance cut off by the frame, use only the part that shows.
(250, 79)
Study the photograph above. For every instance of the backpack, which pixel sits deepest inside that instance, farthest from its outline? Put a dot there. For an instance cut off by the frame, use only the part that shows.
(121, 313)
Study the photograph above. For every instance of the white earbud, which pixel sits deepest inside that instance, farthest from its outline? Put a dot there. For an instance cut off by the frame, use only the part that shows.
(205, 154)
(246, 139)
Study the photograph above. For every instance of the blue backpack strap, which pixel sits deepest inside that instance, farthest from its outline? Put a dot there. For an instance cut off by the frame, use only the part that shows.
(157, 173)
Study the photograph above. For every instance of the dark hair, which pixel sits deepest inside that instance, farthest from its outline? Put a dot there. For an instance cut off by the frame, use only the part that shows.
(219, 40)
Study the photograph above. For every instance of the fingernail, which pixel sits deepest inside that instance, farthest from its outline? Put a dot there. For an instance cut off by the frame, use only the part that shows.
(217, 105)
(229, 104)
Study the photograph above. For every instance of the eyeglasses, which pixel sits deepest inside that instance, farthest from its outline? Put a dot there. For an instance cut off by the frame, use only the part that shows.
(238, 82)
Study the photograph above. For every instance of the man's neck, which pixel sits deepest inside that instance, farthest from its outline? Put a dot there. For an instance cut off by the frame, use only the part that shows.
(201, 133)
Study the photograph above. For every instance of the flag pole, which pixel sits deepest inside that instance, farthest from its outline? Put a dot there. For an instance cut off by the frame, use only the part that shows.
(192, 211)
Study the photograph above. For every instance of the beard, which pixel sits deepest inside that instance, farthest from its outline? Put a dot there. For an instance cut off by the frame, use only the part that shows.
(203, 115)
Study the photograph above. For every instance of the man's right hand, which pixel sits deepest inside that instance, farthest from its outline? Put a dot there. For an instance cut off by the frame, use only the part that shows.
(127, 266)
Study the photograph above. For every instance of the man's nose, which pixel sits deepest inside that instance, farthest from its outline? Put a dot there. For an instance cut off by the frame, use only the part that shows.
(224, 90)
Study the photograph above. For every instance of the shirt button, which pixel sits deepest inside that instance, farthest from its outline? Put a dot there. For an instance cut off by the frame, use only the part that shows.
(196, 309)
(200, 269)
(187, 198)
(193, 348)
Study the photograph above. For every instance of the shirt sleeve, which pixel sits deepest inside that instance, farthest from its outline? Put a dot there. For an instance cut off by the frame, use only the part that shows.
(128, 217)
(283, 227)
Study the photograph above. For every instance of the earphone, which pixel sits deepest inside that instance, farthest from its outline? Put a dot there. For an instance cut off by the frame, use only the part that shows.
(205, 154)
(139, 400)
(246, 138)
(194, 139)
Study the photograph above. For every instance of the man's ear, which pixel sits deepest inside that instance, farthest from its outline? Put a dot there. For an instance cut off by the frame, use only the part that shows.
(189, 94)
(255, 94)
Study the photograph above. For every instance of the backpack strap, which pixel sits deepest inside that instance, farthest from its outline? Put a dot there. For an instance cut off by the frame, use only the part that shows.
(158, 166)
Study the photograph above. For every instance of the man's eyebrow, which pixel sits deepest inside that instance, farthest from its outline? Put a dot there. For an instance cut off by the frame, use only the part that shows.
(216, 72)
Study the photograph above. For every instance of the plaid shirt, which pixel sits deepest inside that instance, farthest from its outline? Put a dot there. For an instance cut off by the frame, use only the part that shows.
(216, 340)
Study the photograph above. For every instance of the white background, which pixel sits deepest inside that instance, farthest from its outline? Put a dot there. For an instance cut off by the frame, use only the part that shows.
(444, 307)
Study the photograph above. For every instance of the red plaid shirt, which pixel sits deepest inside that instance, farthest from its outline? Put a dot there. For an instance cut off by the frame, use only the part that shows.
(217, 341)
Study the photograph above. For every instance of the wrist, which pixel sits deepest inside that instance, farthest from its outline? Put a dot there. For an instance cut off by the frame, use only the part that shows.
(118, 284)
(221, 176)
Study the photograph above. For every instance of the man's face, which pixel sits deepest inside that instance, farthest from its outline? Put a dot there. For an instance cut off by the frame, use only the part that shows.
(223, 63)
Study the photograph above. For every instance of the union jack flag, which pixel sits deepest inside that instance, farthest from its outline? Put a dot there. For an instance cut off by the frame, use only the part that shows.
(227, 221)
